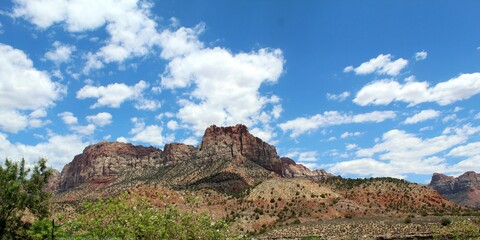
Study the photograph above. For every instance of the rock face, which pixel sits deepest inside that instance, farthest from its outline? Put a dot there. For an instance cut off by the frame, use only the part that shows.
(463, 190)
(292, 170)
(53, 183)
(103, 162)
(240, 143)
(229, 159)
(177, 152)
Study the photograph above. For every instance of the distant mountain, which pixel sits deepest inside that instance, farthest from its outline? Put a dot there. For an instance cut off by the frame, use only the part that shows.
(463, 190)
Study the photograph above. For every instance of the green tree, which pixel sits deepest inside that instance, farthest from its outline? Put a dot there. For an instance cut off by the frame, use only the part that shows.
(135, 217)
(21, 195)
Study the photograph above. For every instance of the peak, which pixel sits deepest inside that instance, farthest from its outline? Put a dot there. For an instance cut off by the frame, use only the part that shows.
(239, 128)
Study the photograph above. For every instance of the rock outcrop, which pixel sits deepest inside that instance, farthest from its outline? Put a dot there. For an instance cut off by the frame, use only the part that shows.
(105, 161)
(292, 170)
(53, 183)
(177, 152)
(463, 190)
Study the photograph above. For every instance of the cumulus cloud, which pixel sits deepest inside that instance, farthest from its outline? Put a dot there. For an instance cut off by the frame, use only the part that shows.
(306, 158)
(302, 125)
(112, 95)
(399, 153)
(23, 90)
(68, 118)
(58, 150)
(422, 116)
(132, 32)
(422, 55)
(224, 85)
(101, 119)
(383, 92)
(340, 97)
(150, 134)
(381, 65)
(61, 53)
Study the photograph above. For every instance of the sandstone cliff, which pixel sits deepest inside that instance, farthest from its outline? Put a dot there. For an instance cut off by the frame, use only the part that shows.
(228, 159)
(105, 161)
(463, 190)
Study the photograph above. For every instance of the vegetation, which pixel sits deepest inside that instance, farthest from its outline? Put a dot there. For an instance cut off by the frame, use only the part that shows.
(136, 217)
(21, 197)
(461, 229)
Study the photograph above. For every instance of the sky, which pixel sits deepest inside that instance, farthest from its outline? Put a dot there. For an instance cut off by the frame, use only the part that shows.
(358, 88)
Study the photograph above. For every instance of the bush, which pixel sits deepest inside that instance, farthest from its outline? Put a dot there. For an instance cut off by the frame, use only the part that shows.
(407, 220)
(127, 217)
(446, 221)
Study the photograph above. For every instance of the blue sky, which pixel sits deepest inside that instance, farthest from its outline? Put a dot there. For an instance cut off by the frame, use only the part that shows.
(359, 88)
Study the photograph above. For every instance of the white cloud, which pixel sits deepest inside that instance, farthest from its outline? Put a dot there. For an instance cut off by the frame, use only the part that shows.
(340, 97)
(383, 92)
(365, 167)
(58, 150)
(307, 156)
(172, 125)
(351, 146)
(23, 89)
(468, 150)
(132, 32)
(382, 65)
(112, 95)
(101, 119)
(61, 53)
(83, 130)
(350, 134)
(147, 104)
(190, 141)
(399, 153)
(422, 116)
(458, 109)
(225, 86)
(302, 125)
(180, 42)
(422, 55)
(450, 117)
(68, 118)
(477, 116)
(150, 134)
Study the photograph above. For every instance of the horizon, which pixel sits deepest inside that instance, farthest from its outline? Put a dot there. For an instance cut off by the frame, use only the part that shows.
(359, 89)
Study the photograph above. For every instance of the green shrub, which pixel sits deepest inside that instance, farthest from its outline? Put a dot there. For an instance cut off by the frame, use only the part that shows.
(128, 217)
(407, 220)
(446, 221)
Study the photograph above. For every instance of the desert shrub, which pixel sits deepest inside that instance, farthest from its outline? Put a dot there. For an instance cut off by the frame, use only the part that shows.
(128, 217)
(464, 229)
(445, 221)
(407, 220)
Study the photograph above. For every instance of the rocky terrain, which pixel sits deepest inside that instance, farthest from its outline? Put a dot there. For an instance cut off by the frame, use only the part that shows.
(240, 178)
(463, 190)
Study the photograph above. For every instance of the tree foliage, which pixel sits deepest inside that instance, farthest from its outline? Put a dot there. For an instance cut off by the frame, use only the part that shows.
(127, 217)
(21, 197)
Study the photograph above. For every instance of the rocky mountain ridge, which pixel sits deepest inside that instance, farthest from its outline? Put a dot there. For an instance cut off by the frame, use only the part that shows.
(463, 190)
(228, 157)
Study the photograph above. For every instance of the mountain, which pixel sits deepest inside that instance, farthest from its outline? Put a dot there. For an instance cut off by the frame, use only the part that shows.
(463, 190)
(229, 159)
